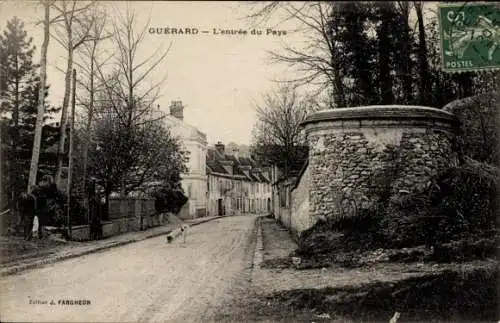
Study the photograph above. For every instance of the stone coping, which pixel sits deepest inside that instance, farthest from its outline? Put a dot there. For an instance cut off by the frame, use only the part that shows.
(382, 112)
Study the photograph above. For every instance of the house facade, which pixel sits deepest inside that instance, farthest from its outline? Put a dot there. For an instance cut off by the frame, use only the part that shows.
(236, 184)
(194, 181)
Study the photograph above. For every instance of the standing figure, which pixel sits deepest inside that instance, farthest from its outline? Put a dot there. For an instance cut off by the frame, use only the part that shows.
(28, 209)
(49, 198)
(95, 218)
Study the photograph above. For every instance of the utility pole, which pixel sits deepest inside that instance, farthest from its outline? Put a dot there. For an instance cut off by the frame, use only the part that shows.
(70, 154)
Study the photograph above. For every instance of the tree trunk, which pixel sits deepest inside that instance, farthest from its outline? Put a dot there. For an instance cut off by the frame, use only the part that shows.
(465, 83)
(41, 98)
(107, 193)
(15, 169)
(422, 56)
(338, 85)
(384, 59)
(89, 118)
(64, 114)
(405, 53)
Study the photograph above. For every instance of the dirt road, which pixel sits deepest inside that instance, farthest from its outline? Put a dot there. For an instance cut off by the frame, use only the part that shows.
(148, 281)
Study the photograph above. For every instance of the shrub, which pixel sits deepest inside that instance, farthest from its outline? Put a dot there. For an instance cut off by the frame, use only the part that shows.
(469, 193)
(478, 135)
(169, 200)
(461, 204)
(56, 214)
(464, 203)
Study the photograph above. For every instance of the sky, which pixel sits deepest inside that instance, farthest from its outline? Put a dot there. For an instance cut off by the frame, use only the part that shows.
(217, 77)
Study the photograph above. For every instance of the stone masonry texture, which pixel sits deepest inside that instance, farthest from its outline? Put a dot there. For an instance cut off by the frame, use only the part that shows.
(351, 160)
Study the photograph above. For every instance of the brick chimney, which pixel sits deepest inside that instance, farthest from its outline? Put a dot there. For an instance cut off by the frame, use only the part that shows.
(177, 109)
(221, 149)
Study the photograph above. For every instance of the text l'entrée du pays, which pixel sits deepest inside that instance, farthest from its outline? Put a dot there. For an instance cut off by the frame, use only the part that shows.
(216, 31)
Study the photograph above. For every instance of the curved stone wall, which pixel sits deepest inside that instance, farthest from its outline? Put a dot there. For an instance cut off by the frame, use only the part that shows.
(356, 152)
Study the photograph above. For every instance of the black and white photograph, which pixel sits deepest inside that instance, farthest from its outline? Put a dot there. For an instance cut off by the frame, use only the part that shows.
(249, 161)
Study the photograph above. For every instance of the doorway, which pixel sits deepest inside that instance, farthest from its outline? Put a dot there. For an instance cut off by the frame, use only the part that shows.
(220, 207)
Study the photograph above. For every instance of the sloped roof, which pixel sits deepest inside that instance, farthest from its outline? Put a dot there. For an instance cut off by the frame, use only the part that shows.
(246, 161)
(216, 167)
(183, 129)
(215, 159)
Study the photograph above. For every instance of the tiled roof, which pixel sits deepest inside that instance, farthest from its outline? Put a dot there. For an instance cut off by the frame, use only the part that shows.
(216, 158)
(246, 161)
(216, 167)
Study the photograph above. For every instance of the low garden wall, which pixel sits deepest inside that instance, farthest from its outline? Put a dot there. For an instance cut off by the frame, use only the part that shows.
(301, 218)
(125, 215)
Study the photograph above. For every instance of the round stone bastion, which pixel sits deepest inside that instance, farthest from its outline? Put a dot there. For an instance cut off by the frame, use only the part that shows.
(356, 155)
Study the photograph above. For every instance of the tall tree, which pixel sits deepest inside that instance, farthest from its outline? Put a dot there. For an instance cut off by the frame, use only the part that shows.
(131, 71)
(377, 55)
(20, 90)
(18, 78)
(318, 60)
(385, 13)
(423, 64)
(128, 97)
(41, 98)
(358, 52)
(404, 42)
(71, 31)
(88, 63)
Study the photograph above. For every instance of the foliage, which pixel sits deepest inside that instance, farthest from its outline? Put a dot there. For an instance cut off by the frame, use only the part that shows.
(461, 204)
(121, 157)
(365, 53)
(57, 217)
(470, 192)
(169, 199)
(19, 89)
(478, 134)
(126, 144)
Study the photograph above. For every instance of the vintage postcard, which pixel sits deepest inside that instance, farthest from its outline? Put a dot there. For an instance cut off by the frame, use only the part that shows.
(210, 161)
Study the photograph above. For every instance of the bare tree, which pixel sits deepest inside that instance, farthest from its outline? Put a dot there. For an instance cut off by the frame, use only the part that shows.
(71, 32)
(41, 98)
(131, 72)
(129, 94)
(88, 71)
(277, 137)
(318, 61)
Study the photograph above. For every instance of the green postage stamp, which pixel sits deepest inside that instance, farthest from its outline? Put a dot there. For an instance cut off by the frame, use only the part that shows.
(470, 36)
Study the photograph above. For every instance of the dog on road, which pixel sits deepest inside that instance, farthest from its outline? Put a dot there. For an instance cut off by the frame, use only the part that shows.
(183, 228)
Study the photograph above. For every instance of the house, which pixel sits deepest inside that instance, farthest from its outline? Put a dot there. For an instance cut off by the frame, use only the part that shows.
(194, 181)
(236, 184)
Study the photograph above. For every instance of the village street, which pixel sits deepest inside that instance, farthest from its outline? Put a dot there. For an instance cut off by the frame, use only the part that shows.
(145, 281)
